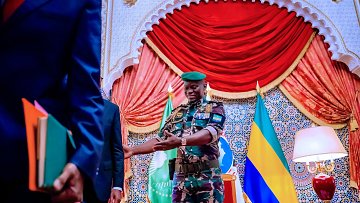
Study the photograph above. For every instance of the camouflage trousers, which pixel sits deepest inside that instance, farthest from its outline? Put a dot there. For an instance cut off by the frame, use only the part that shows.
(204, 187)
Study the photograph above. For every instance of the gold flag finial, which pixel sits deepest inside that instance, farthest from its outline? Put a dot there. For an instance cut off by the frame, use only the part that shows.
(170, 91)
(258, 89)
(208, 89)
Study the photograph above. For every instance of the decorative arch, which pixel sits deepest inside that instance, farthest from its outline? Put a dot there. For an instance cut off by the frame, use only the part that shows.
(302, 8)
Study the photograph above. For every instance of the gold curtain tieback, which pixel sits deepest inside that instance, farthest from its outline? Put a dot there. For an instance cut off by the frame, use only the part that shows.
(353, 123)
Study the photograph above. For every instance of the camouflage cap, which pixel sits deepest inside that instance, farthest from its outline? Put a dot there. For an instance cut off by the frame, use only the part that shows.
(193, 76)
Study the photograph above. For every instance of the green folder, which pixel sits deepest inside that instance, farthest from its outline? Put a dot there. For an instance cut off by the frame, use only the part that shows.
(52, 150)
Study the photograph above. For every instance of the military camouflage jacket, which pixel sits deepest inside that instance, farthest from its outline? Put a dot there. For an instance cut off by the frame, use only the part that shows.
(188, 119)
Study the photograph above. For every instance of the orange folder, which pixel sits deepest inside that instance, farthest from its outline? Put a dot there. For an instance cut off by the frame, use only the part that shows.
(31, 120)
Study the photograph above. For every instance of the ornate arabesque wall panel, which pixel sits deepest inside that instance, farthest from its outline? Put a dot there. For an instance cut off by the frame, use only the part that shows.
(344, 17)
(286, 119)
(124, 28)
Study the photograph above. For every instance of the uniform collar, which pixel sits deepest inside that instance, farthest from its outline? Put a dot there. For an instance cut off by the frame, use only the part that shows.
(197, 103)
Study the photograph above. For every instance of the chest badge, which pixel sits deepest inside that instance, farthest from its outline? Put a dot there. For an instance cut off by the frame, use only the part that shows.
(208, 108)
(179, 114)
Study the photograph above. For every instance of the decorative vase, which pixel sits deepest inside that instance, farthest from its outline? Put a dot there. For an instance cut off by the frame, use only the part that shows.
(324, 186)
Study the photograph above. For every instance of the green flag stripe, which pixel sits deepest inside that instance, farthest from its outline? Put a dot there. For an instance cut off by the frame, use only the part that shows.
(167, 112)
(263, 121)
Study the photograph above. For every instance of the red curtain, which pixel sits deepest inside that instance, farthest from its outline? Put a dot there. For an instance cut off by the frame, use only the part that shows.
(326, 90)
(234, 43)
(141, 94)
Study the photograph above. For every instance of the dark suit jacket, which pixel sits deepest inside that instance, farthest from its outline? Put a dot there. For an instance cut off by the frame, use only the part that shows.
(111, 170)
(50, 52)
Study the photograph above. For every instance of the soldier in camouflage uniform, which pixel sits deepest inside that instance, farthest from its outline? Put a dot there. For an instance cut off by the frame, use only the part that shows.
(194, 129)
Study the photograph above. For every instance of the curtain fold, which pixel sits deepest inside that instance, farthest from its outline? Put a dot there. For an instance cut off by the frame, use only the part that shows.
(235, 44)
(142, 93)
(327, 93)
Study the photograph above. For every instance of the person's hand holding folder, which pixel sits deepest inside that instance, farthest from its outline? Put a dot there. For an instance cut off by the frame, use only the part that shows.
(69, 185)
(48, 142)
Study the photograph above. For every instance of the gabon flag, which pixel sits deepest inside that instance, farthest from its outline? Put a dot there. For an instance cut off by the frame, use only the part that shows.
(267, 176)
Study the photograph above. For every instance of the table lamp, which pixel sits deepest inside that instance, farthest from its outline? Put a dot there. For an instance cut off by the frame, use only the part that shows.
(319, 144)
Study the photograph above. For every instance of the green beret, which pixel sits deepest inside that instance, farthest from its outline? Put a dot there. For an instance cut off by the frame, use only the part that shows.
(193, 76)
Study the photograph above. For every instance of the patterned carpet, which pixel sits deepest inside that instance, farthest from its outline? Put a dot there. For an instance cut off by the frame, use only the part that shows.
(286, 120)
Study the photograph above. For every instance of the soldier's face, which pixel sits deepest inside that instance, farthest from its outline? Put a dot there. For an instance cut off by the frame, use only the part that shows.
(194, 90)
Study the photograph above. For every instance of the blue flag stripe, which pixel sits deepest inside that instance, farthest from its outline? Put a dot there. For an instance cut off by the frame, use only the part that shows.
(253, 183)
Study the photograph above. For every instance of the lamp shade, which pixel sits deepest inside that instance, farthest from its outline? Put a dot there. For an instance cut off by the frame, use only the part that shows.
(317, 144)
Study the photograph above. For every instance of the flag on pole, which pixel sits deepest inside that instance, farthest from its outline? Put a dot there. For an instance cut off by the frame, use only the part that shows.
(160, 185)
(267, 176)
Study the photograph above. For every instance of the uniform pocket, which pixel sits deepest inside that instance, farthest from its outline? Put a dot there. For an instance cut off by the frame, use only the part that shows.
(201, 122)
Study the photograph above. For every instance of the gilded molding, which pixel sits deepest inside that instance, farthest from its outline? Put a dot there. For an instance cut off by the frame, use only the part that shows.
(130, 2)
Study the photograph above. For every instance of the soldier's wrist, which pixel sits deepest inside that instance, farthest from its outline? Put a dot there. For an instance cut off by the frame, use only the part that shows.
(183, 141)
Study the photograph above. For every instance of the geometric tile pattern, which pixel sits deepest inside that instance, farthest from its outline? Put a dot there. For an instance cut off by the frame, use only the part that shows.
(286, 119)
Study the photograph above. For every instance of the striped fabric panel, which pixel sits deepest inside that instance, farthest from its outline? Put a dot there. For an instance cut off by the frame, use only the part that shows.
(267, 175)
(254, 183)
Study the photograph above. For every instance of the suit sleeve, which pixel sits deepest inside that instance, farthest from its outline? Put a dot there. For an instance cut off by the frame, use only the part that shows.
(85, 101)
(117, 152)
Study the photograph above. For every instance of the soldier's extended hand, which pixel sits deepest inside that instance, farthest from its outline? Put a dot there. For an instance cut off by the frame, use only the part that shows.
(171, 142)
(127, 152)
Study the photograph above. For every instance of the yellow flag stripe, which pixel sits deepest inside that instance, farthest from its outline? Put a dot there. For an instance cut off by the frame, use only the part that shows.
(270, 167)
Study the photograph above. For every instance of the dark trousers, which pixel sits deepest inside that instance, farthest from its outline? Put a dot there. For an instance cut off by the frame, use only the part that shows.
(16, 192)
(90, 195)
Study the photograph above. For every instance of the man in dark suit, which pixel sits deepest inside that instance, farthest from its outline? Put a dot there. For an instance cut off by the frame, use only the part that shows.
(109, 179)
(50, 52)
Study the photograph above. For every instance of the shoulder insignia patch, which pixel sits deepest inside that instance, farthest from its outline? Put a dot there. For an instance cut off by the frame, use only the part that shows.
(217, 118)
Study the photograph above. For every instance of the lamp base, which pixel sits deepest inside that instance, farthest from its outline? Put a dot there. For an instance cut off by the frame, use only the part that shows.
(324, 186)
